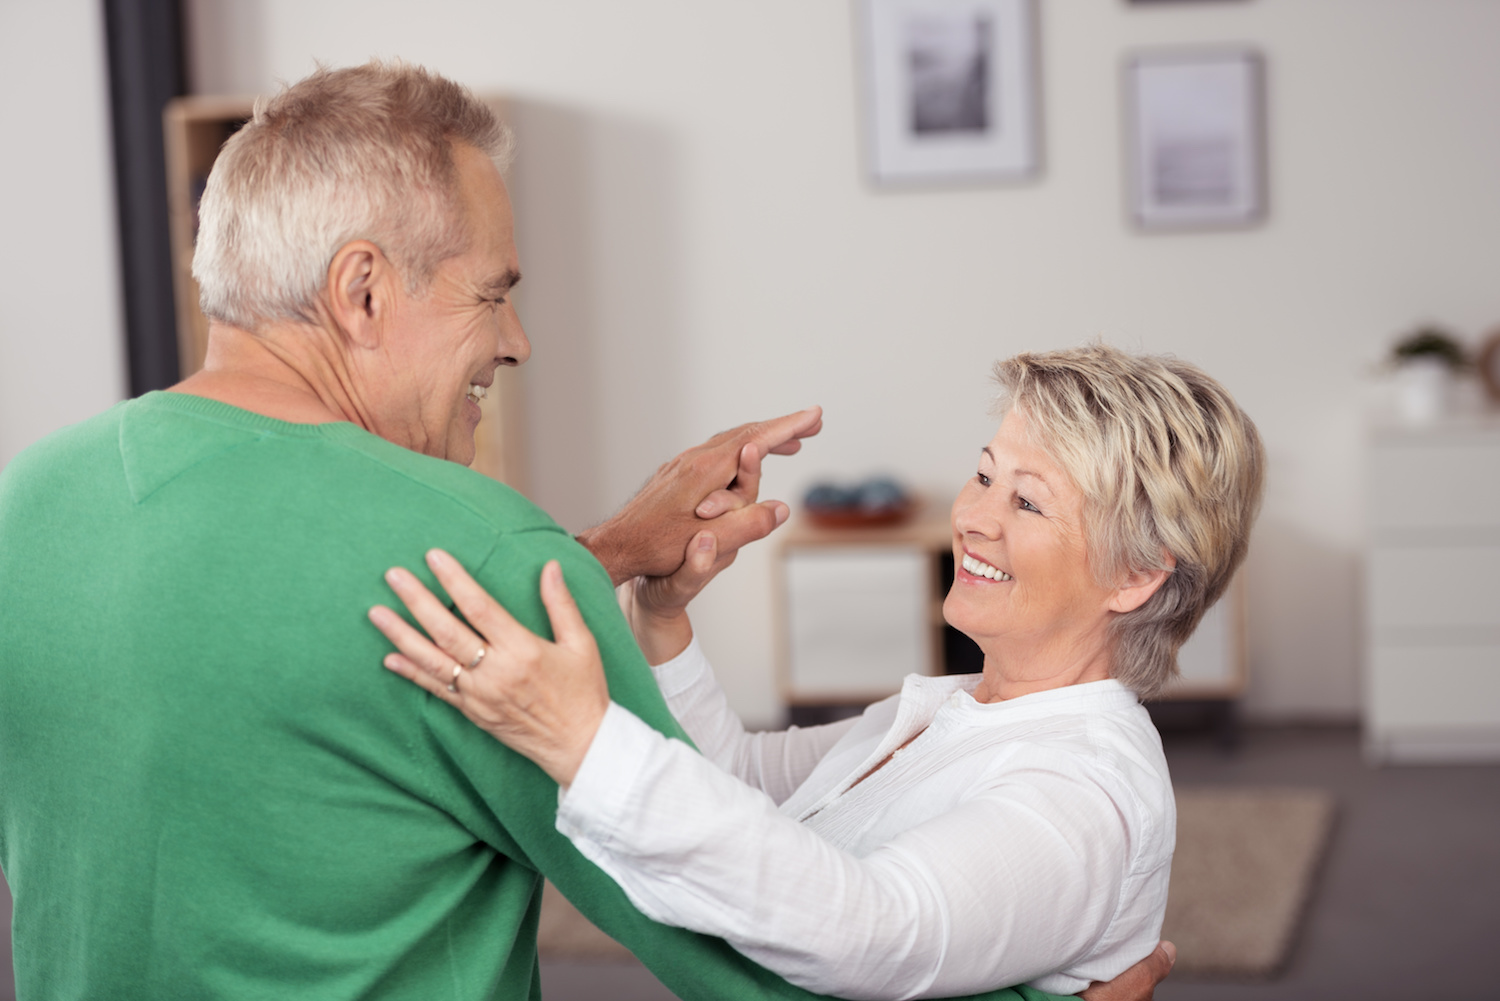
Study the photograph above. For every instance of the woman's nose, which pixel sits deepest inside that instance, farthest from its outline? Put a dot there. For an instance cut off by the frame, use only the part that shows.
(972, 516)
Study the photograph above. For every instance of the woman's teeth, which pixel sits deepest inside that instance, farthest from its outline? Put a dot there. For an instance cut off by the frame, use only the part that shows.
(476, 392)
(979, 569)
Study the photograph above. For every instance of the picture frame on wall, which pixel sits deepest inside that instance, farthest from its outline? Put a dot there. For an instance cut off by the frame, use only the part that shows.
(1195, 138)
(950, 91)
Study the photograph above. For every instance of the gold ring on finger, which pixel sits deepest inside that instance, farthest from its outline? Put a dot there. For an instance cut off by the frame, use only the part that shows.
(477, 658)
(453, 683)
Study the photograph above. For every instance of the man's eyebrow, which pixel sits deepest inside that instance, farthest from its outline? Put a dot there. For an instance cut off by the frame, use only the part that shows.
(501, 284)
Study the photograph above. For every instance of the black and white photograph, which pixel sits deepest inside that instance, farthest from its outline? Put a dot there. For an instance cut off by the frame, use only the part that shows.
(1196, 156)
(950, 90)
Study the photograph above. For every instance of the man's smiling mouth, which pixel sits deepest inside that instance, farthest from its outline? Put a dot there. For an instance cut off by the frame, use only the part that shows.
(980, 569)
(476, 392)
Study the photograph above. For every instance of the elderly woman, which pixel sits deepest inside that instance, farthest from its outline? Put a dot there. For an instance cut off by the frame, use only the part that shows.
(974, 830)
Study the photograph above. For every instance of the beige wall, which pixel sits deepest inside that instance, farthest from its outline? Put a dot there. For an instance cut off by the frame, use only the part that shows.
(61, 334)
(700, 249)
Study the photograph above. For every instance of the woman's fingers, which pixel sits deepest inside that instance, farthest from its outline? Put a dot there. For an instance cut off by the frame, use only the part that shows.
(484, 612)
(404, 666)
(442, 625)
(568, 626)
(420, 660)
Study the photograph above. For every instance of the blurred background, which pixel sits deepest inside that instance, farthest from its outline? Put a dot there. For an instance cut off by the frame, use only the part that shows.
(702, 246)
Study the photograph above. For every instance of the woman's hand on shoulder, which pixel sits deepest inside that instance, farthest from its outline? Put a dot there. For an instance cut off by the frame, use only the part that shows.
(542, 699)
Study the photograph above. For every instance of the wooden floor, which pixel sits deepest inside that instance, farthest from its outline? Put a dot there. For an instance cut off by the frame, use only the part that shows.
(1407, 904)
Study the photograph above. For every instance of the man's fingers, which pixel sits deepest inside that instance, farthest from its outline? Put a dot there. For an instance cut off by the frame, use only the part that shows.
(568, 627)
(782, 435)
(1139, 982)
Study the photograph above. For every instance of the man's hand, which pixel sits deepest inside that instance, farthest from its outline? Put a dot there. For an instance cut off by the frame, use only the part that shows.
(718, 480)
(1139, 982)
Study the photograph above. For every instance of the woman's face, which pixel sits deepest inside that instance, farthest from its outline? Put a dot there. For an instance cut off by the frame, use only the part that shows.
(1022, 587)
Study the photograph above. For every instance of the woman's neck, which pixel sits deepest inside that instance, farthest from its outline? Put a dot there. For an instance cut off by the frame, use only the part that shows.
(1010, 672)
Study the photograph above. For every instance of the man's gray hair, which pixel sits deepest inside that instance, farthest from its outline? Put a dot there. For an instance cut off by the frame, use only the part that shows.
(1167, 463)
(347, 154)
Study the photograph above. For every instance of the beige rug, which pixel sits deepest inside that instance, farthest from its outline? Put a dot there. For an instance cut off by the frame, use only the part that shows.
(1244, 869)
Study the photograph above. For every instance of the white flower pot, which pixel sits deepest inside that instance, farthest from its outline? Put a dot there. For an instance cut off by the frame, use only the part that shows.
(1424, 389)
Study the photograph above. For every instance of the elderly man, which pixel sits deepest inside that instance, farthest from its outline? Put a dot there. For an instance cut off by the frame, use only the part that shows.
(211, 789)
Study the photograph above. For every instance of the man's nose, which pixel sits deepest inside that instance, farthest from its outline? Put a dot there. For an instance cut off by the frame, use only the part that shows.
(515, 346)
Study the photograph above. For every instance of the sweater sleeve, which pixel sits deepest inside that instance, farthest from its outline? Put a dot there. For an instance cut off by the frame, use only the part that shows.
(775, 762)
(1013, 884)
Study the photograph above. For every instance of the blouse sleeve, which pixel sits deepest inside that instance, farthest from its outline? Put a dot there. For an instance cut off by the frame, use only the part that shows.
(1016, 882)
(775, 762)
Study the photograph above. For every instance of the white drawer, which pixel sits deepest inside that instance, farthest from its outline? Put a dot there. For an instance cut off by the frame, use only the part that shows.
(1445, 485)
(1433, 586)
(857, 620)
(1433, 687)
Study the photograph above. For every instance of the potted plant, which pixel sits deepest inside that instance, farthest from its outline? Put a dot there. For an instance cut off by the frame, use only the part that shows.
(1428, 361)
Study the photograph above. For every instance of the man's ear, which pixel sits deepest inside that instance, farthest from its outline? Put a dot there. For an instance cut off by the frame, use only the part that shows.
(360, 282)
(1141, 585)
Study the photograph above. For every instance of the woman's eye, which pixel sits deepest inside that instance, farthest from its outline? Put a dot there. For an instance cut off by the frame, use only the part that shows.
(1026, 505)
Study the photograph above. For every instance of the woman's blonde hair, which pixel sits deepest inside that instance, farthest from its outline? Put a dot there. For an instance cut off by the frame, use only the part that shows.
(346, 154)
(1167, 463)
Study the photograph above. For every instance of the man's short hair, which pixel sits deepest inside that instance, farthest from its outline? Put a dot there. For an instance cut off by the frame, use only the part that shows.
(1167, 463)
(346, 154)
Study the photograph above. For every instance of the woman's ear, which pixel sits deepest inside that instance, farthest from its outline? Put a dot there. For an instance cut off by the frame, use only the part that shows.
(1141, 585)
(359, 285)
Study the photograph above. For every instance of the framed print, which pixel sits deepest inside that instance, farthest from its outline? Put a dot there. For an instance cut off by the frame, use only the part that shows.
(950, 90)
(1195, 139)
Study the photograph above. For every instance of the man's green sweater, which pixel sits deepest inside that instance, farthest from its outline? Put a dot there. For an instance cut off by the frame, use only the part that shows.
(209, 787)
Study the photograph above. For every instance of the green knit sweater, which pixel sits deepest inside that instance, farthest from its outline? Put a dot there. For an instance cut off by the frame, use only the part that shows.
(209, 787)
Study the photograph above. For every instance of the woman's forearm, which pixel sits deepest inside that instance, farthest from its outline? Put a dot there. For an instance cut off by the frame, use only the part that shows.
(992, 893)
(775, 762)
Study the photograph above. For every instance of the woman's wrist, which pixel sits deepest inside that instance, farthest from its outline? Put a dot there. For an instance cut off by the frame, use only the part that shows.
(661, 636)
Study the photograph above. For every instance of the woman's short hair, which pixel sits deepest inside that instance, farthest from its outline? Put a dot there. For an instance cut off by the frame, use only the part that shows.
(360, 153)
(1167, 463)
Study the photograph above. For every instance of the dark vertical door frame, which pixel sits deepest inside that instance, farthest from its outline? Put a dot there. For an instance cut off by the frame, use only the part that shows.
(144, 41)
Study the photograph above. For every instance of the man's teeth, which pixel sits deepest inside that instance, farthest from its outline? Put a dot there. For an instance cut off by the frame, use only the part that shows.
(476, 392)
(979, 569)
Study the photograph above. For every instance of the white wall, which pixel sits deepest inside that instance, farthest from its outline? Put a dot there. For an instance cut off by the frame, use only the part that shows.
(700, 249)
(61, 333)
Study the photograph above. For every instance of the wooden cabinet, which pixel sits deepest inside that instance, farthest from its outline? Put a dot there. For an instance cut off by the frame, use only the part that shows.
(858, 610)
(1432, 596)
(196, 128)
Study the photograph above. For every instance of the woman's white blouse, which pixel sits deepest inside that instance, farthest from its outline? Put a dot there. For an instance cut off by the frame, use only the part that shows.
(1025, 841)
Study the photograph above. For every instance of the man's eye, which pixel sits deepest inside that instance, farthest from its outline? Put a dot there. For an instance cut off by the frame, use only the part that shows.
(984, 480)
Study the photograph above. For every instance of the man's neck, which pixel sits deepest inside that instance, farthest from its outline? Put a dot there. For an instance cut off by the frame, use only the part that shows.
(293, 373)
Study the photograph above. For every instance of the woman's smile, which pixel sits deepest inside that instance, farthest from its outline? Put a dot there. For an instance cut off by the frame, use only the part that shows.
(973, 567)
